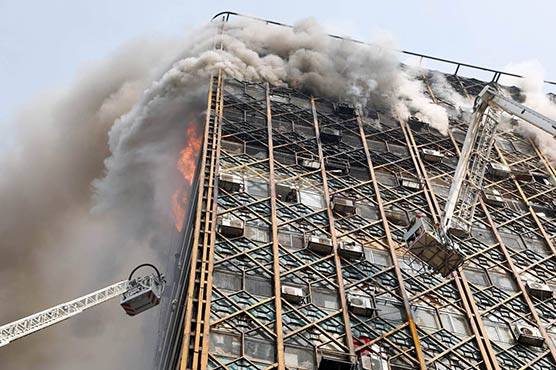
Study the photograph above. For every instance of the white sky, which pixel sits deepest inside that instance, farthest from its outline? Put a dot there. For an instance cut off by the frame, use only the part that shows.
(44, 43)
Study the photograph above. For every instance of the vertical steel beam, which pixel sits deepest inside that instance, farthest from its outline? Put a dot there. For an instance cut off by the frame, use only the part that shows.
(392, 250)
(204, 226)
(189, 301)
(275, 246)
(339, 278)
(211, 223)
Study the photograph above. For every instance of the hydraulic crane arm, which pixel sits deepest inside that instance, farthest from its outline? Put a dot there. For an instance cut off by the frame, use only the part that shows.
(137, 295)
(54, 315)
(474, 158)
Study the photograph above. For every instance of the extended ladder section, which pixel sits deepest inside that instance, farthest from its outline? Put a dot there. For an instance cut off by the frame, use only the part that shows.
(137, 295)
(54, 315)
(475, 155)
(434, 245)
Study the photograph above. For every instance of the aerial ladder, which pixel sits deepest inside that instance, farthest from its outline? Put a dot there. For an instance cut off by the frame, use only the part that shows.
(435, 245)
(137, 295)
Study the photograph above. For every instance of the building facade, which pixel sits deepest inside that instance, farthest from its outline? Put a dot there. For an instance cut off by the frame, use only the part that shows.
(297, 252)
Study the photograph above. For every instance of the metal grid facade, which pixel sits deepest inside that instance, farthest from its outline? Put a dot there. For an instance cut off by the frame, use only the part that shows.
(289, 179)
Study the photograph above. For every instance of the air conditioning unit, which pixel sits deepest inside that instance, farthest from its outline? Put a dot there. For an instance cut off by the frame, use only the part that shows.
(343, 206)
(361, 305)
(351, 250)
(494, 198)
(409, 183)
(539, 290)
(372, 362)
(319, 245)
(431, 155)
(336, 166)
(499, 170)
(229, 182)
(310, 164)
(528, 335)
(292, 293)
(231, 226)
(286, 193)
(330, 135)
(396, 216)
(344, 108)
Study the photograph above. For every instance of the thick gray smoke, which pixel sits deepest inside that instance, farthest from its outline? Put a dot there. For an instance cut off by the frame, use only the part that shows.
(532, 87)
(86, 194)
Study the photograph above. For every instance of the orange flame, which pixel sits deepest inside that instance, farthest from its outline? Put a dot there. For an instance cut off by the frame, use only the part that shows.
(186, 165)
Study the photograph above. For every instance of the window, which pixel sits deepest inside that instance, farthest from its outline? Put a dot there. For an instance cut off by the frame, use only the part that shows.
(537, 246)
(311, 199)
(512, 241)
(376, 146)
(426, 318)
(225, 344)
(389, 310)
(367, 211)
(483, 236)
(232, 147)
(291, 240)
(256, 188)
(399, 150)
(299, 358)
(227, 280)
(258, 286)
(478, 277)
(498, 332)
(257, 152)
(325, 298)
(502, 281)
(260, 349)
(378, 257)
(454, 323)
(257, 233)
(286, 193)
(386, 179)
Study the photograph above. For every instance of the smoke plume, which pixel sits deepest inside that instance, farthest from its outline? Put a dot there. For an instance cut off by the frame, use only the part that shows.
(86, 195)
(532, 87)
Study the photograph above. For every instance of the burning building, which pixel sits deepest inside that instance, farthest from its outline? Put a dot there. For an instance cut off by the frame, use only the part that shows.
(293, 255)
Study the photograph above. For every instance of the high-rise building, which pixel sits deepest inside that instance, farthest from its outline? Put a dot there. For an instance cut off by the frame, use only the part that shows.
(297, 252)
